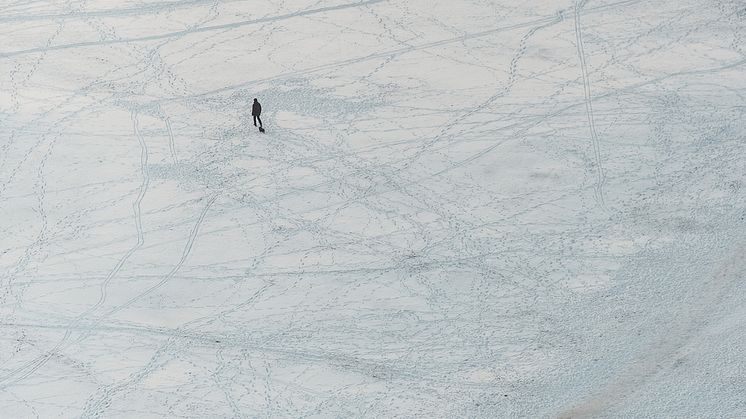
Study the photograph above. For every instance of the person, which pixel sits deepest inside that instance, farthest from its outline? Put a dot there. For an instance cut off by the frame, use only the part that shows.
(256, 111)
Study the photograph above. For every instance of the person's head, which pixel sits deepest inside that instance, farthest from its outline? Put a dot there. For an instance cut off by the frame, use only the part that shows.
(255, 100)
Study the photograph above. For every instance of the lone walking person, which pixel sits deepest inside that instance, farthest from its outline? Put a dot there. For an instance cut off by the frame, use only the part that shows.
(256, 111)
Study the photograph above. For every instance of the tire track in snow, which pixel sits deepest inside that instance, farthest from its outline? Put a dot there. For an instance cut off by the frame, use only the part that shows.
(137, 212)
(171, 142)
(184, 255)
(178, 34)
(600, 176)
(145, 9)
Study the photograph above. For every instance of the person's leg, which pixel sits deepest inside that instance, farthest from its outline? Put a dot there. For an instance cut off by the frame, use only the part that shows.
(254, 120)
(260, 121)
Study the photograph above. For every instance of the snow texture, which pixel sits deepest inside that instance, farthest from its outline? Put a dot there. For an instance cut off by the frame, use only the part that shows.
(460, 209)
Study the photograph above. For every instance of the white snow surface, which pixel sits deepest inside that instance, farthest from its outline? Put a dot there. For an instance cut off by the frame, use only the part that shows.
(460, 209)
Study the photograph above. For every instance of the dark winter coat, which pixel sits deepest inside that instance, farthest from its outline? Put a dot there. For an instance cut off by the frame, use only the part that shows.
(256, 109)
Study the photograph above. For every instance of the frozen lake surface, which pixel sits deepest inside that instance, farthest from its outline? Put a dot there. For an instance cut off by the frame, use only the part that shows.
(472, 208)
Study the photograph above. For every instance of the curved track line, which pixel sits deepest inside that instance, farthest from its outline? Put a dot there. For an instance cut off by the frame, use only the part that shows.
(600, 176)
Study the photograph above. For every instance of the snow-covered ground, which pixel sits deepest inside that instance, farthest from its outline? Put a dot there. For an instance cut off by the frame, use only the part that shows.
(464, 208)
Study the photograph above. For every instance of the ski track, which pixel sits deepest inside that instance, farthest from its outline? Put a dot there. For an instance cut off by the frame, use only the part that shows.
(579, 4)
(471, 209)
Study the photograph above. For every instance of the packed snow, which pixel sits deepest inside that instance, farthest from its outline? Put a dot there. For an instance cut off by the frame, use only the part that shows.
(459, 209)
